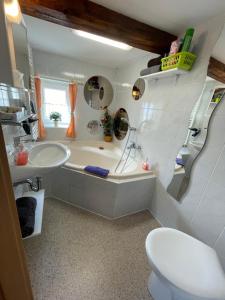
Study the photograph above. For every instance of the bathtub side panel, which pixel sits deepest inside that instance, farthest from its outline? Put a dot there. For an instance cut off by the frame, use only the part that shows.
(85, 191)
(104, 197)
(133, 196)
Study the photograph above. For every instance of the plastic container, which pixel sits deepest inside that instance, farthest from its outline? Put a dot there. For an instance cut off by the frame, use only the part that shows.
(187, 40)
(180, 60)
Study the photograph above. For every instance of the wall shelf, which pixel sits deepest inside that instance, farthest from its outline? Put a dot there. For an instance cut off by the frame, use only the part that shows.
(39, 196)
(17, 123)
(163, 74)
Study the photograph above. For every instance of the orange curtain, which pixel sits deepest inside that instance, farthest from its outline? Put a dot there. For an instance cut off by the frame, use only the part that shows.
(41, 129)
(73, 95)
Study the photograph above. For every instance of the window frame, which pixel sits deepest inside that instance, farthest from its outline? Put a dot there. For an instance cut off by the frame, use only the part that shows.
(55, 85)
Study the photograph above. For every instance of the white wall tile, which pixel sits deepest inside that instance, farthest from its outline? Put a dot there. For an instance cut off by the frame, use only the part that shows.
(220, 247)
(209, 219)
(222, 261)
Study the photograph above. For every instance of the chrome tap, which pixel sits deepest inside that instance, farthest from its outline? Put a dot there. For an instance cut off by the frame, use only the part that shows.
(134, 146)
(17, 140)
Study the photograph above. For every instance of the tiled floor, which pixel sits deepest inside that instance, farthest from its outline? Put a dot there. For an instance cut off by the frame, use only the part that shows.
(80, 256)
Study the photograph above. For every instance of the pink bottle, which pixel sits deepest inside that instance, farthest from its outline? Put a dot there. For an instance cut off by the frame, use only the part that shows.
(146, 165)
(21, 156)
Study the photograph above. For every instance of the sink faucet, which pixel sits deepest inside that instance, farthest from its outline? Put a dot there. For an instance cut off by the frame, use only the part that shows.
(17, 140)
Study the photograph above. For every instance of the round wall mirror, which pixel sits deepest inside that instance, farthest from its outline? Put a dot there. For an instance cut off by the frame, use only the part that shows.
(98, 92)
(138, 89)
(121, 124)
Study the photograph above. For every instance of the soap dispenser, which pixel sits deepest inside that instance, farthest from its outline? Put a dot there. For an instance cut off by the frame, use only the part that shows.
(20, 155)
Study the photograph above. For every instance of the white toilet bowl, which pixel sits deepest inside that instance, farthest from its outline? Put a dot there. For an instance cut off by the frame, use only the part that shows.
(183, 267)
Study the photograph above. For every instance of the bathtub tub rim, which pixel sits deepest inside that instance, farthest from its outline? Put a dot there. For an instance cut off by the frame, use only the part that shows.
(132, 176)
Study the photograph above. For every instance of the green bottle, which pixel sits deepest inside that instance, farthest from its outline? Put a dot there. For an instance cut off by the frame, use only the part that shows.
(187, 40)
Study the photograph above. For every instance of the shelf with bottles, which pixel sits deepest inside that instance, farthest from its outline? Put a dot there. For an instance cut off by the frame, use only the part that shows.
(179, 61)
(20, 121)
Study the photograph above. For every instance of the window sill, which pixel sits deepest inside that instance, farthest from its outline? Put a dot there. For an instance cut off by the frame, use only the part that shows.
(56, 127)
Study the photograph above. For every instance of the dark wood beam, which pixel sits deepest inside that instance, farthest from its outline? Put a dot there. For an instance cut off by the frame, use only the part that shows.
(88, 16)
(216, 70)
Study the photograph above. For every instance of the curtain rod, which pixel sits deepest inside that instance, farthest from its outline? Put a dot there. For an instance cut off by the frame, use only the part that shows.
(59, 79)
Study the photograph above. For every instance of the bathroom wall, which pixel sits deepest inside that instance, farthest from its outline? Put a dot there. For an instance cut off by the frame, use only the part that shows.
(23, 66)
(202, 210)
(162, 117)
(6, 64)
(56, 66)
(205, 109)
(125, 79)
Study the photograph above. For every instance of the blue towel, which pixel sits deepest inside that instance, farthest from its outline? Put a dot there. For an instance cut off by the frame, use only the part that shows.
(180, 161)
(97, 171)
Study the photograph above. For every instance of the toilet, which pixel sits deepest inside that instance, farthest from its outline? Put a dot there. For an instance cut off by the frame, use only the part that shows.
(183, 267)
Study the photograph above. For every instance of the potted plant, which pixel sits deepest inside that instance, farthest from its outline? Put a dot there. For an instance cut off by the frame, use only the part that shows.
(56, 117)
(107, 124)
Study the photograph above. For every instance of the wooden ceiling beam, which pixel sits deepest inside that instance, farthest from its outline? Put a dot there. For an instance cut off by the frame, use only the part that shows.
(216, 70)
(94, 18)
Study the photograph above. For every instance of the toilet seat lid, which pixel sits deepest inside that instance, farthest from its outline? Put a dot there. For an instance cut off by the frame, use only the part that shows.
(186, 262)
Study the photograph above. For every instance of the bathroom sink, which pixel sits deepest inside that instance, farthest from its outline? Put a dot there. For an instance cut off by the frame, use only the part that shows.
(43, 157)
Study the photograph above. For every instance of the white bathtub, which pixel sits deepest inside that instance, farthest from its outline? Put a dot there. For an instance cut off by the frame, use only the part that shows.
(118, 195)
(104, 155)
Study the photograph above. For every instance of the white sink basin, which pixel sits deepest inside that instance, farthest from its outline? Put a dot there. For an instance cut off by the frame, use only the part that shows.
(43, 157)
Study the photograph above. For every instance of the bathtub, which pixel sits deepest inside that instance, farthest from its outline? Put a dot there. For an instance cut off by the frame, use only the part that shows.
(125, 191)
(104, 155)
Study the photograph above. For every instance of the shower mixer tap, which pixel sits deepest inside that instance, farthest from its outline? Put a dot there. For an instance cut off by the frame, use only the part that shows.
(134, 146)
(195, 130)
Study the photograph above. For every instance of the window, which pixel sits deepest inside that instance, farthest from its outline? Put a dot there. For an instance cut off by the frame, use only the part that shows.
(55, 98)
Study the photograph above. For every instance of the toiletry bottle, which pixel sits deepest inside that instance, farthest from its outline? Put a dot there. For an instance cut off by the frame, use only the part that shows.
(174, 48)
(21, 156)
(187, 40)
(146, 165)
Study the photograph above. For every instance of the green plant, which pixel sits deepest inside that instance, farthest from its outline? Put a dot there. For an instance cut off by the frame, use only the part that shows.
(56, 116)
(107, 123)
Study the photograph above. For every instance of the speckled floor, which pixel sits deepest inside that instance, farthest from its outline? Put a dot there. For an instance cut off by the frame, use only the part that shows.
(80, 256)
